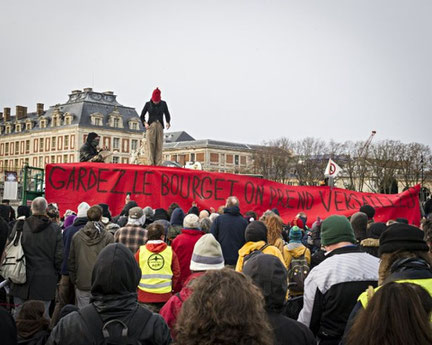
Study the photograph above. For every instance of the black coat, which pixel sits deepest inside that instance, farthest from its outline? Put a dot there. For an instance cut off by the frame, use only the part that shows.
(43, 249)
(87, 152)
(156, 112)
(229, 230)
(289, 331)
(115, 277)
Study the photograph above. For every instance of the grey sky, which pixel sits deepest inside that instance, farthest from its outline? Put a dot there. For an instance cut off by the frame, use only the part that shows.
(243, 71)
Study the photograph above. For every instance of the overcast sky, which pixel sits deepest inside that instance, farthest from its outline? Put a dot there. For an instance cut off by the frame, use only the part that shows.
(242, 71)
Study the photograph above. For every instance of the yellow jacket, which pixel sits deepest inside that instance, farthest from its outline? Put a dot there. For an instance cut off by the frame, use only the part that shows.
(249, 247)
(296, 252)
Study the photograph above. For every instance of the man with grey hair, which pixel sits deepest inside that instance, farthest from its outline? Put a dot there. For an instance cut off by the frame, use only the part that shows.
(43, 249)
(229, 230)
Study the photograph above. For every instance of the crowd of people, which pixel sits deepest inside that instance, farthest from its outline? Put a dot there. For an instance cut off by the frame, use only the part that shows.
(226, 276)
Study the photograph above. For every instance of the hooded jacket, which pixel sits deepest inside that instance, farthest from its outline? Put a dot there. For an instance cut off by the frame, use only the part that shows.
(270, 276)
(249, 247)
(114, 280)
(43, 249)
(88, 151)
(156, 112)
(229, 230)
(183, 246)
(295, 250)
(86, 245)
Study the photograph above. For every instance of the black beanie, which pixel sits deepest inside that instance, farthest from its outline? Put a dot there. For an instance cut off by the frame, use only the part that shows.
(23, 210)
(376, 229)
(256, 231)
(402, 237)
(369, 210)
(105, 211)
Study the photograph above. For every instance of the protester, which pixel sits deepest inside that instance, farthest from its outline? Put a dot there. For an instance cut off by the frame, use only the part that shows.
(403, 257)
(332, 287)
(318, 255)
(171, 208)
(250, 216)
(53, 213)
(160, 214)
(370, 212)
(122, 218)
(8, 331)
(160, 269)
(229, 230)
(371, 243)
(256, 242)
(204, 214)
(133, 235)
(114, 280)
(65, 289)
(224, 308)
(43, 249)
(107, 220)
(89, 151)
(23, 212)
(176, 221)
(7, 212)
(156, 108)
(68, 221)
(32, 326)
(207, 255)
(205, 224)
(149, 213)
(298, 260)
(270, 275)
(86, 245)
(274, 226)
(359, 223)
(397, 314)
(183, 246)
(427, 229)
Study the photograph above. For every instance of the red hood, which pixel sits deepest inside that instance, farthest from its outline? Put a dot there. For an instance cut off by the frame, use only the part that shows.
(156, 247)
(185, 291)
(193, 232)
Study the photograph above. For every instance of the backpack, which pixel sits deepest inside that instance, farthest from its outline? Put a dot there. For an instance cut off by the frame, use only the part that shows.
(13, 266)
(115, 332)
(254, 253)
(297, 273)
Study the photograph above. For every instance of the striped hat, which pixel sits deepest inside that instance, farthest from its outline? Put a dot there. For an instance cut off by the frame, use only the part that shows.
(207, 254)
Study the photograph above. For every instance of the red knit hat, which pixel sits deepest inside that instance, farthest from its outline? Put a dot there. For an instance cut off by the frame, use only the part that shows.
(156, 96)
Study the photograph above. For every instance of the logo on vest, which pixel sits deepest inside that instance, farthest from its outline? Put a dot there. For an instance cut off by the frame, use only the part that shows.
(156, 262)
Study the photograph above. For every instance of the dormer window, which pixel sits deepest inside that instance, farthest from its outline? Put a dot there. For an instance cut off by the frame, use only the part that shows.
(8, 129)
(133, 124)
(18, 128)
(97, 119)
(115, 119)
(28, 125)
(56, 118)
(68, 119)
(43, 123)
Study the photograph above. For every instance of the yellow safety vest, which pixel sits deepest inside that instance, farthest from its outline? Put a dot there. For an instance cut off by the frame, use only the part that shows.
(156, 270)
(424, 283)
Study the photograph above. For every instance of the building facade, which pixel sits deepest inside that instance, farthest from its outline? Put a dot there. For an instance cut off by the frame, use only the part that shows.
(56, 134)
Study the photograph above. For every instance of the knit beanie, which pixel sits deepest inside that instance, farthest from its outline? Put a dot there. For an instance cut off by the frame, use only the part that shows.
(359, 222)
(91, 136)
(23, 210)
(402, 237)
(256, 231)
(336, 229)
(156, 96)
(295, 235)
(160, 213)
(207, 254)
(191, 221)
(105, 211)
(82, 209)
(369, 210)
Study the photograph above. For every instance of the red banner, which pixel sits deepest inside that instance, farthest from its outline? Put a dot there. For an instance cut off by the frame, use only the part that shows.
(70, 184)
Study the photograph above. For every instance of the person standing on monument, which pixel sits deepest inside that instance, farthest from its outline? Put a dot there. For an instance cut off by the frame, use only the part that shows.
(156, 108)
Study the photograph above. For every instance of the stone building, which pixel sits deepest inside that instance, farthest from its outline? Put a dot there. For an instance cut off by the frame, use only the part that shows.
(55, 135)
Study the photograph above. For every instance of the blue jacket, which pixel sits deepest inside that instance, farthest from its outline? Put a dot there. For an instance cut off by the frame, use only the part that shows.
(229, 230)
(68, 233)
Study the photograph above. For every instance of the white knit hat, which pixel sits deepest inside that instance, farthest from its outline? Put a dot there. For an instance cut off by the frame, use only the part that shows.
(82, 209)
(191, 221)
(207, 254)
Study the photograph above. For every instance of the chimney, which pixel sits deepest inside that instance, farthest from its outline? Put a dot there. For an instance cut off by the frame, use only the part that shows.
(39, 109)
(88, 89)
(75, 92)
(1, 116)
(108, 93)
(21, 112)
(6, 112)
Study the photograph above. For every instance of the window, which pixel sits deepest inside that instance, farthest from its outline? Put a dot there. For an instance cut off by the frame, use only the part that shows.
(27, 146)
(243, 160)
(28, 126)
(115, 160)
(192, 157)
(66, 142)
(116, 122)
(43, 123)
(229, 159)
(52, 159)
(116, 145)
(134, 144)
(8, 129)
(214, 157)
(7, 149)
(18, 128)
(26, 161)
(41, 144)
(41, 162)
(236, 159)
(53, 143)
(65, 158)
(16, 147)
(200, 157)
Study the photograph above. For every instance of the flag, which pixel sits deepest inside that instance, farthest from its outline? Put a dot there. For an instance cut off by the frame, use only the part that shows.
(332, 169)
